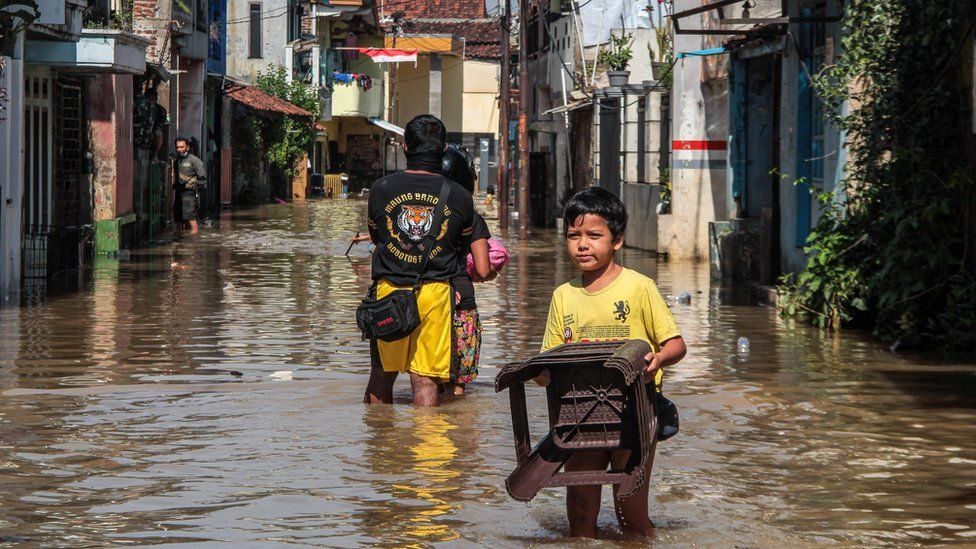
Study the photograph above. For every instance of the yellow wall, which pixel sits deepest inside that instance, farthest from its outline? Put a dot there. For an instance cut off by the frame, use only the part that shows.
(452, 90)
(411, 85)
(351, 100)
(469, 97)
(480, 97)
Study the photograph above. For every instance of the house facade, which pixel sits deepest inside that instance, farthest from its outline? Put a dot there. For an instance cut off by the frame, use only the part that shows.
(752, 147)
(456, 76)
(67, 155)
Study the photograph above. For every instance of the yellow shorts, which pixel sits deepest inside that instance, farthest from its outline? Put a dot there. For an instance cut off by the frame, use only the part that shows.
(427, 351)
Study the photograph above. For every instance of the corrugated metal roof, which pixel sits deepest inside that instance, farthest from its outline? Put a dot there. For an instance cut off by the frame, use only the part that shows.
(257, 99)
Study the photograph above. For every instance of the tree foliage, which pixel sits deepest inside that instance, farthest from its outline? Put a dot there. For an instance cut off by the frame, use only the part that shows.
(893, 248)
(286, 139)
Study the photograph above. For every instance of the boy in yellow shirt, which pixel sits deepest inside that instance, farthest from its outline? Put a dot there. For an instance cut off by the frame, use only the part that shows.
(608, 302)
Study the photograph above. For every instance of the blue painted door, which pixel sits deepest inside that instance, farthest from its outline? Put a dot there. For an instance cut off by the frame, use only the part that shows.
(753, 123)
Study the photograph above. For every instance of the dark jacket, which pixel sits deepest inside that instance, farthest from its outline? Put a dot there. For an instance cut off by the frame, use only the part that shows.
(190, 173)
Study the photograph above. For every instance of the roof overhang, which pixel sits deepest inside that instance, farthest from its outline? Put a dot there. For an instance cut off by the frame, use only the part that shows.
(392, 128)
(739, 17)
(571, 106)
(259, 100)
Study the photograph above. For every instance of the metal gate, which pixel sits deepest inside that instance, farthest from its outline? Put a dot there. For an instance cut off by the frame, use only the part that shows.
(610, 144)
(38, 148)
(55, 231)
(69, 138)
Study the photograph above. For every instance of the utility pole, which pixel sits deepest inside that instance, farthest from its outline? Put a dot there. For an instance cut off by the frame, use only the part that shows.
(504, 102)
(523, 121)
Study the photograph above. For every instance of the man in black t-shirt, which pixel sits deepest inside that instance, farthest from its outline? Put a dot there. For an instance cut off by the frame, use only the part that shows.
(401, 211)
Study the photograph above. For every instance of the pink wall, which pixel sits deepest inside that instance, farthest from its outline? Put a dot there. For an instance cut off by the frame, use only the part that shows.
(110, 112)
(125, 172)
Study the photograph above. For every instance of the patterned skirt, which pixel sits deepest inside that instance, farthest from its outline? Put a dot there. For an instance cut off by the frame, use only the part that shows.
(467, 346)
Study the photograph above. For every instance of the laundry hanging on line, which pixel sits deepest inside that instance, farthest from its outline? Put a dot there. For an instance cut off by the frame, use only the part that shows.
(365, 81)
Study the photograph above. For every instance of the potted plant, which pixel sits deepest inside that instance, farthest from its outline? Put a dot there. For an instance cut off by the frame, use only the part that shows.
(616, 58)
(662, 51)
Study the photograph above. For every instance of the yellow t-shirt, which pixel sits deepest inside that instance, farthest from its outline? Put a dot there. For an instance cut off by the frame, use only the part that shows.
(631, 307)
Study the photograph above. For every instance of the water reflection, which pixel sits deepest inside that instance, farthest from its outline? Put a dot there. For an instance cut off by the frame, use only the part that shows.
(120, 420)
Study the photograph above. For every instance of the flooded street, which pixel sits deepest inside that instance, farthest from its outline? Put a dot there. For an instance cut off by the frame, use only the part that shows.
(210, 391)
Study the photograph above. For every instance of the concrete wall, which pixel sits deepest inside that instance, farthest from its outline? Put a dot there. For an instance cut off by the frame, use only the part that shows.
(480, 97)
(411, 90)
(192, 100)
(11, 175)
(274, 35)
(110, 115)
(453, 113)
(469, 102)
(641, 201)
(699, 110)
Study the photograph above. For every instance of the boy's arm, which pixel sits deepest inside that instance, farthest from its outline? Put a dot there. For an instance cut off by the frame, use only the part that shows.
(672, 351)
(661, 327)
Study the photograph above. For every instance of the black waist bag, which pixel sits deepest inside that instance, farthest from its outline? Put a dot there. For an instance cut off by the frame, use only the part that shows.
(391, 318)
(396, 315)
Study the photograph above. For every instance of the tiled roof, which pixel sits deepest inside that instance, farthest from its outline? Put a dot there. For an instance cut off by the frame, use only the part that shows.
(259, 100)
(481, 38)
(437, 9)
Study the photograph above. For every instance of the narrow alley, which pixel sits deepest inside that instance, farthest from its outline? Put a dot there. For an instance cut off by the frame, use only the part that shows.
(209, 390)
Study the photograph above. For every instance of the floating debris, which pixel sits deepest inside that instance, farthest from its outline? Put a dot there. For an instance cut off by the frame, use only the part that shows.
(282, 375)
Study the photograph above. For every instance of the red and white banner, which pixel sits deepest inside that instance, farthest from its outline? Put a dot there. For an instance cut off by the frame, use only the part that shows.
(381, 55)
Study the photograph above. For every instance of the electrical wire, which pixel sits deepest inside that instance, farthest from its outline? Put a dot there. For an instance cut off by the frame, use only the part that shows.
(270, 15)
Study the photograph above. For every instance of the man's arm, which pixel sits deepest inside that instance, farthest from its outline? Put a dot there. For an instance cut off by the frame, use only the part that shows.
(200, 171)
(374, 236)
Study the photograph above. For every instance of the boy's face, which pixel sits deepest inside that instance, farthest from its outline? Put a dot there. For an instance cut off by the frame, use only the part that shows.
(590, 243)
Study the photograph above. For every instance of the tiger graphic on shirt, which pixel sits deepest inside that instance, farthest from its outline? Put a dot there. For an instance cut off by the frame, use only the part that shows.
(415, 221)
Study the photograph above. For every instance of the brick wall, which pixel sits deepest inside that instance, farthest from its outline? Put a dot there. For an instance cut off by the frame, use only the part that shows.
(307, 21)
(150, 19)
(442, 9)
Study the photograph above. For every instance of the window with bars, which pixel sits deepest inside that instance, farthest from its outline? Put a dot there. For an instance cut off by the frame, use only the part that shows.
(254, 49)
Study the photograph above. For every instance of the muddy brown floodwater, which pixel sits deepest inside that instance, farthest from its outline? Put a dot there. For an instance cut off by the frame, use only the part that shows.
(121, 422)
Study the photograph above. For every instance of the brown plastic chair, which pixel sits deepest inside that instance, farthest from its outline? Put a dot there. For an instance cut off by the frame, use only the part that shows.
(597, 401)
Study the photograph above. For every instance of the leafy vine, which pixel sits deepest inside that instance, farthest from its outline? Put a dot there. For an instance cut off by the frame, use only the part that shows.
(893, 249)
(287, 139)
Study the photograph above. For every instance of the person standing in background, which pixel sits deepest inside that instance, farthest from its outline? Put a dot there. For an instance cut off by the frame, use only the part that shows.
(191, 177)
